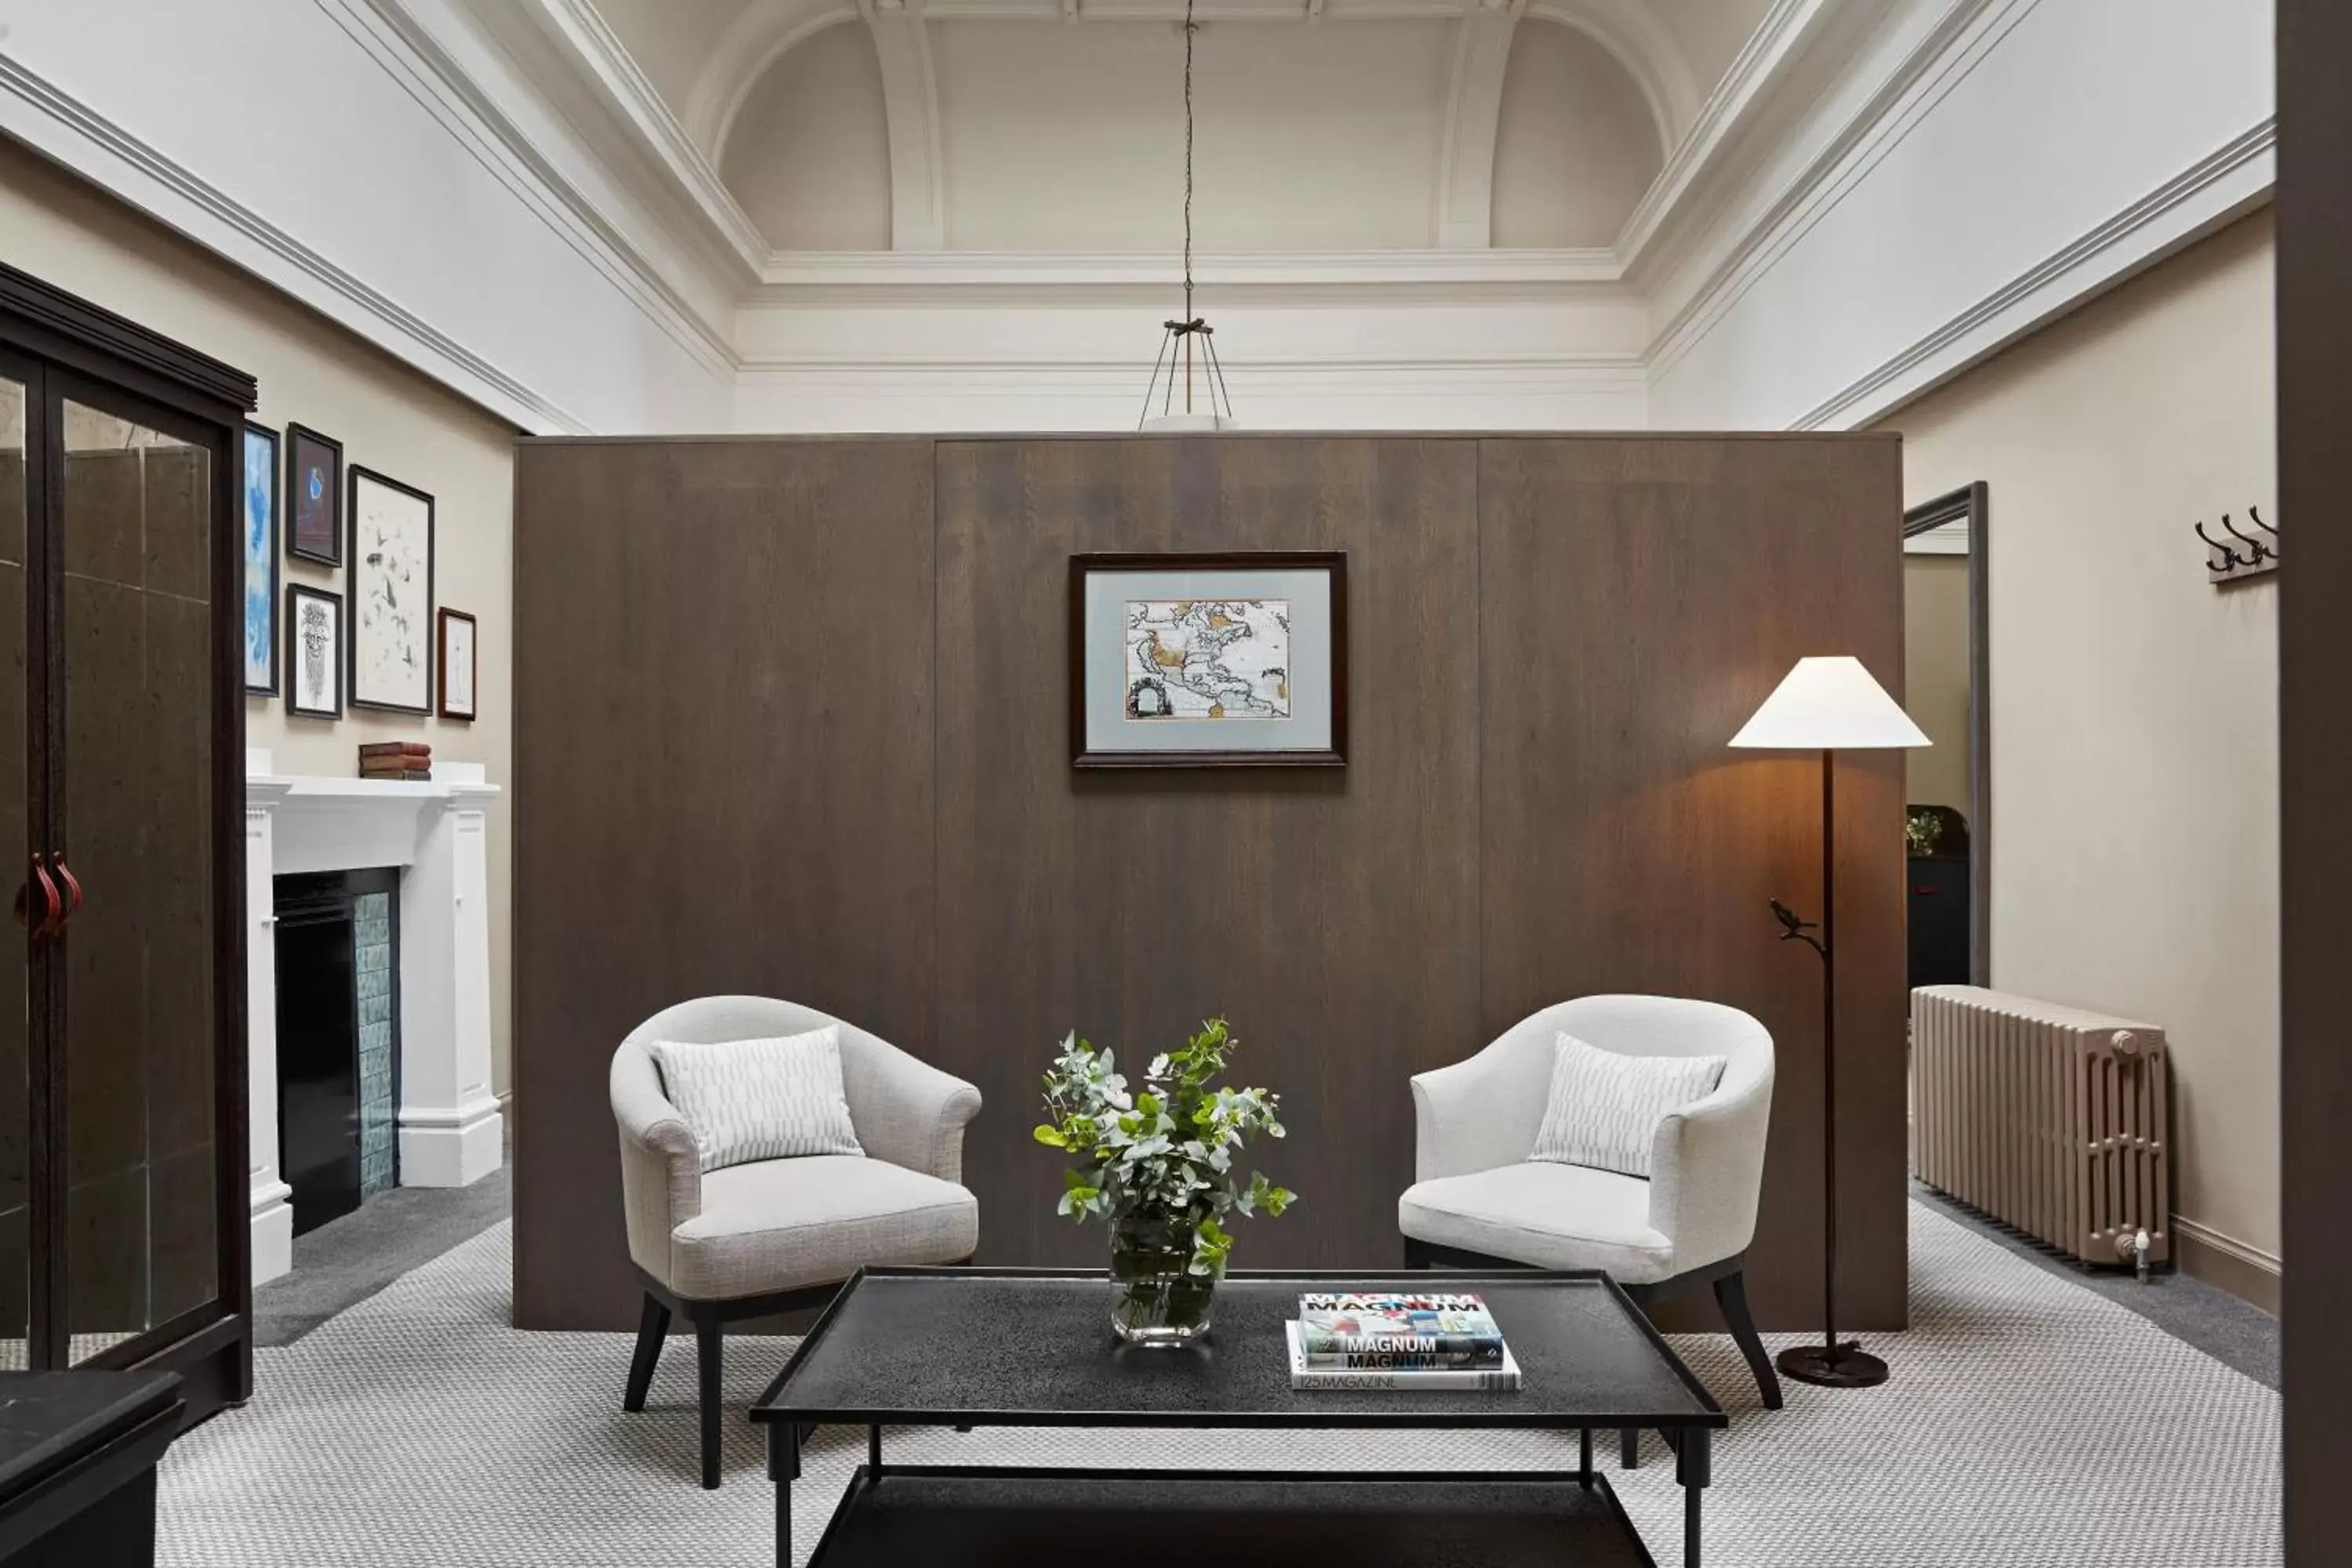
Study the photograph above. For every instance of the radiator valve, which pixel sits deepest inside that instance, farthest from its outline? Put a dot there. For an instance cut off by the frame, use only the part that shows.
(2134, 1248)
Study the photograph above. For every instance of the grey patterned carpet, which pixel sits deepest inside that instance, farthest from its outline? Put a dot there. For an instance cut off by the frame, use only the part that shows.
(2030, 1422)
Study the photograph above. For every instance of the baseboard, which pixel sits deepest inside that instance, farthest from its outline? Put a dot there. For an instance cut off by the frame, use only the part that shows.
(2246, 1272)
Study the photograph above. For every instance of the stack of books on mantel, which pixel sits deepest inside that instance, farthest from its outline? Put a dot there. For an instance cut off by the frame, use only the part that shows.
(1384, 1339)
(408, 759)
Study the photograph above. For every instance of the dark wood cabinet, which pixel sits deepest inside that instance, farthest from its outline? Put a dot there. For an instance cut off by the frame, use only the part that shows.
(123, 1238)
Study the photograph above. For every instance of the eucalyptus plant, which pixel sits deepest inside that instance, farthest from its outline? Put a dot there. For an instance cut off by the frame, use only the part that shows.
(1163, 1154)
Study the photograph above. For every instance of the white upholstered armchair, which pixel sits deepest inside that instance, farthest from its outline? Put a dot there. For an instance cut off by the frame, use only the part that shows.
(776, 1236)
(1479, 1200)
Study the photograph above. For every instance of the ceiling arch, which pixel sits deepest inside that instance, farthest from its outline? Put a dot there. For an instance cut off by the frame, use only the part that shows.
(759, 37)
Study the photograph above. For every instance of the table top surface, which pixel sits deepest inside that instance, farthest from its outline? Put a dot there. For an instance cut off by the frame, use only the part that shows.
(1034, 1347)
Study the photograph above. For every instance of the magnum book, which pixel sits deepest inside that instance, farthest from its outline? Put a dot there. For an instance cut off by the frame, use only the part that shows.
(1391, 1332)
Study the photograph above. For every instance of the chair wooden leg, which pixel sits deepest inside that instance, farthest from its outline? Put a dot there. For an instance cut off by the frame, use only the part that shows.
(1416, 1256)
(706, 1345)
(652, 1329)
(1629, 1448)
(1731, 1295)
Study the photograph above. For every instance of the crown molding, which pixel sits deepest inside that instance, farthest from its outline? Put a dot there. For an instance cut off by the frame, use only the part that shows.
(1916, 58)
(640, 106)
(69, 132)
(791, 275)
(1758, 74)
(432, 49)
(2217, 189)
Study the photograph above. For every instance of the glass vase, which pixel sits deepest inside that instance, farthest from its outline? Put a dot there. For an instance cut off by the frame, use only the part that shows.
(1155, 1299)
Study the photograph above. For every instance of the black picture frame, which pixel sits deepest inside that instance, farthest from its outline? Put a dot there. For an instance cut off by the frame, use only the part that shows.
(256, 431)
(364, 572)
(1332, 562)
(295, 594)
(442, 662)
(314, 525)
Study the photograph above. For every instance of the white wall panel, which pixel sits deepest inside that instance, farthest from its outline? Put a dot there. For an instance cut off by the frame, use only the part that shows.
(2068, 145)
(297, 139)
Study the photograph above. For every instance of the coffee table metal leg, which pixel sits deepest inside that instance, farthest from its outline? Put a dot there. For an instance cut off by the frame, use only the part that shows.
(1694, 1469)
(1584, 1457)
(874, 1450)
(783, 1463)
(1629, 1448)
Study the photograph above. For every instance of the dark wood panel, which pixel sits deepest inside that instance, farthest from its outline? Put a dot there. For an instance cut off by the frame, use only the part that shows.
(723, 737)
(730, 668)
(1330, 913)
(1639, 599)
(2315, 408)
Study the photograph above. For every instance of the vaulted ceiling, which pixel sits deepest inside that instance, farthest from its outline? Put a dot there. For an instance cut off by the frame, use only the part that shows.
(1056, 125)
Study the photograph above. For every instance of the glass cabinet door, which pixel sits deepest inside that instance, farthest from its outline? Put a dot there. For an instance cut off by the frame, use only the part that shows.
(130, 808)
(16, 1095)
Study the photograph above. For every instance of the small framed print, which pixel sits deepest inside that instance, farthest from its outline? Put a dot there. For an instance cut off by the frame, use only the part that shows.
(1226, 659)
(456, 665)
(314, 652)
(259, 514)
(314, 496)
(391, 593)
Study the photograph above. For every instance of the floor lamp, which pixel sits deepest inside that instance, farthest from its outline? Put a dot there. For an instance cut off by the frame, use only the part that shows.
(1828, 705)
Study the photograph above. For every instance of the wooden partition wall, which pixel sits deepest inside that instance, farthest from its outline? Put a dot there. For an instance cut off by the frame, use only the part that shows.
(790, 720)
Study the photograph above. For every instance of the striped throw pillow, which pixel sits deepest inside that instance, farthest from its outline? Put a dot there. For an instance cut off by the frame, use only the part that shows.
(759, 1099)
(1604, 1107)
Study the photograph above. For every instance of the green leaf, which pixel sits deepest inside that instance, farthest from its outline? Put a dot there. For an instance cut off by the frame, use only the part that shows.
(1051, 1136)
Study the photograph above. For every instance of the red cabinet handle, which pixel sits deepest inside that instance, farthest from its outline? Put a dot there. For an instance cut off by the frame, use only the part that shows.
(48, 926)
(73, 892)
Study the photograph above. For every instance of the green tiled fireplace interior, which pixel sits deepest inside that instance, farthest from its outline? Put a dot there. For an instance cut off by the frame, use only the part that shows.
(373, 973)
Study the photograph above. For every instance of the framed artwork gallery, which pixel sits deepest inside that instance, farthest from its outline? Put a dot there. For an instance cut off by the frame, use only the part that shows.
(259, 513)
(391, 631)
(314, 490)
(1209, 660)
(314, 652)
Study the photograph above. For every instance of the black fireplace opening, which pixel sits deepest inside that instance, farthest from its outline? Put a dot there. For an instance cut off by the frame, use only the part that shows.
(338, 1038)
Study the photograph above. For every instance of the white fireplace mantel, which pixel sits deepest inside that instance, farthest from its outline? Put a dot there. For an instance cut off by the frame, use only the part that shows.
(450, 1130)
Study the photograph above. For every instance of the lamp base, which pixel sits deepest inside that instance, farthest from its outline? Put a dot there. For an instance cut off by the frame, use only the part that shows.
(1850, 1367)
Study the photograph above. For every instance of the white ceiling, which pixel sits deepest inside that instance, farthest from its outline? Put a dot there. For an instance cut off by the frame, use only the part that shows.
(1323, 124)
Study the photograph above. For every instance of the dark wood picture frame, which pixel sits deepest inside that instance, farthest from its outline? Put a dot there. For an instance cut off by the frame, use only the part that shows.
(1333, 561)
(357, 587)
(337, 660)
(301, 543)
(1971, 504)
(253, 430)
(442, 662)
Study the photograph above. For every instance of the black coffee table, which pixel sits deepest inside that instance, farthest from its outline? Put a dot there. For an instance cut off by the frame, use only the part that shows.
(995, 1347)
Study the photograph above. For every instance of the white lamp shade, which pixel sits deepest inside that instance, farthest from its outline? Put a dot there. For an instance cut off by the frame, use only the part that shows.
(1829, 704)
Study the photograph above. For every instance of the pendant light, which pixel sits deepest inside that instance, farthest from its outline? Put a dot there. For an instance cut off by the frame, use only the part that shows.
(1190, 335)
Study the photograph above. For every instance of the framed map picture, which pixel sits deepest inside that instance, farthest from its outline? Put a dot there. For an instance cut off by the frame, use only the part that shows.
(1236, 659)
(259, 515)
(392, 595)
(314, 496)
(314, 652)
(455, 664)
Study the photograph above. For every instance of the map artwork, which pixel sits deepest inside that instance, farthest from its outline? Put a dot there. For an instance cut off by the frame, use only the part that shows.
(1208, 658)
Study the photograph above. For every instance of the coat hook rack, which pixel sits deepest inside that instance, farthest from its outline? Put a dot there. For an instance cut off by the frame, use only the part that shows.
(2249, 556)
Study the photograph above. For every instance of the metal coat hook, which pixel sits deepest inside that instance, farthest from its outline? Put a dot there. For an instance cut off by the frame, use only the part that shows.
(2262, 552)
(2229, 561)
(2256, 558)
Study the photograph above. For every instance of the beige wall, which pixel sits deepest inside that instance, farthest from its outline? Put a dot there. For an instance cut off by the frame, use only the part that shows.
(2135, 722)
(1936, 680)
(387, 417)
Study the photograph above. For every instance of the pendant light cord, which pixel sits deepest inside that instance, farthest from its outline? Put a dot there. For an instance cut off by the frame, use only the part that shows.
(1190, 29)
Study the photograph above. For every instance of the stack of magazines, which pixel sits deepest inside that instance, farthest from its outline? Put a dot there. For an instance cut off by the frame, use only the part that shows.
(1384, 1339)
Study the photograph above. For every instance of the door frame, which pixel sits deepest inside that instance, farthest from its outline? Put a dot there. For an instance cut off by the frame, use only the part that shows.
(1970, 504)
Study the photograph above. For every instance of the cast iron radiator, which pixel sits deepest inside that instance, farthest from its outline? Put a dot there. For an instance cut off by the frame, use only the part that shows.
(2048, 1118)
